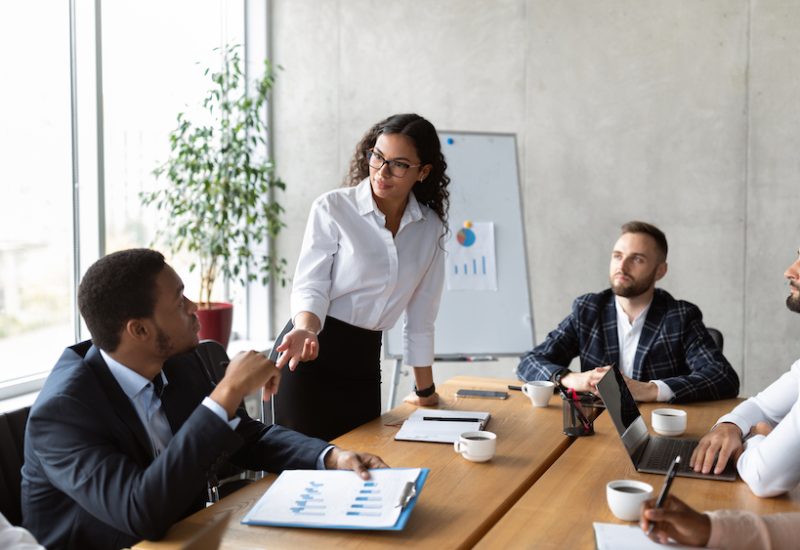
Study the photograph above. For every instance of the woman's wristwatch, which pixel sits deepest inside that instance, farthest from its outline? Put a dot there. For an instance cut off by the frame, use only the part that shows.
(427, 392)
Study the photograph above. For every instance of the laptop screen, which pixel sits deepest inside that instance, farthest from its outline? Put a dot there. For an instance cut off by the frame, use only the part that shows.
(619, 402)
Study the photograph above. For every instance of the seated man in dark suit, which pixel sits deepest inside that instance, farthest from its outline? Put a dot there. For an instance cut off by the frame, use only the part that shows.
(660, 344)
(129, 428)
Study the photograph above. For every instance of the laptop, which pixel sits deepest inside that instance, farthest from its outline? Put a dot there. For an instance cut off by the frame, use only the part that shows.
(651, 454)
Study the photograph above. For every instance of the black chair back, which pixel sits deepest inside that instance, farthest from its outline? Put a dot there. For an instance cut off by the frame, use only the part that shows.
(716, 336)
(12, 455)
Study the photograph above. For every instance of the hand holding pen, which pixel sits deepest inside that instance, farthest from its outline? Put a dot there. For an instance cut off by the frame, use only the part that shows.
(673, 469)
(677, 521)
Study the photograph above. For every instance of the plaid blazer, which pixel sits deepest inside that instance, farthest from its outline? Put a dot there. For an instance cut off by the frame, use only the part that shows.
(674, 347)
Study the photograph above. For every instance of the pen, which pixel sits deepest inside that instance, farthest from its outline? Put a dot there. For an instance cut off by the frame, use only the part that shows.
(518, 388)
(451, 419)
(662, 496)
(581, 416)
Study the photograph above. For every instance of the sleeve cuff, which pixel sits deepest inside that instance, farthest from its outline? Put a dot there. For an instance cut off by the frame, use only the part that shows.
(665, 393)
(218, 410)
(418, 349)
(318, 307)
(322, 456)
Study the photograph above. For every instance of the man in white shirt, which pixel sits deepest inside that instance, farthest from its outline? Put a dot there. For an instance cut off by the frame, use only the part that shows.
(660, 344)
(763, 433)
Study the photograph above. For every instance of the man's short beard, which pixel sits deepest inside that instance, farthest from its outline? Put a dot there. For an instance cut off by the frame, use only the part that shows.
(793, 302)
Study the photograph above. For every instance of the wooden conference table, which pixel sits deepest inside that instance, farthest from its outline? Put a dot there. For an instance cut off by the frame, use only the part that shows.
(461, 500)
(541, 490)
(558, 510)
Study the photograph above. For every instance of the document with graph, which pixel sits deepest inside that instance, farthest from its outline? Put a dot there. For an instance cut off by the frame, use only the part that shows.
(339, 499)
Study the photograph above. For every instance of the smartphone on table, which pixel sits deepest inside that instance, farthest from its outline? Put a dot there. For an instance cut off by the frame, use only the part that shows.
(485, 394)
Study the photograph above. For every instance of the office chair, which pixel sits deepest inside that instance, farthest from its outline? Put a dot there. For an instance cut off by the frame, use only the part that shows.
(226, 478)
(12, 455)
(716, 336)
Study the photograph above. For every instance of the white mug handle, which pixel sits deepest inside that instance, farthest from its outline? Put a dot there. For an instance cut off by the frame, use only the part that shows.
(525, 389)
(457, 446)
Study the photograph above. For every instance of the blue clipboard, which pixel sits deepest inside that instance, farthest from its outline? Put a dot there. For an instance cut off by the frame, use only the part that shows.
(398, 525)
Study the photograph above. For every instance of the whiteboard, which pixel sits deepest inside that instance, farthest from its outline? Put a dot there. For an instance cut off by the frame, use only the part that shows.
(484, 187)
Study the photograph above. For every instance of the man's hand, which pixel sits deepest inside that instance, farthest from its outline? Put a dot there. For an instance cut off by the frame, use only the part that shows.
(339, 459)
(584, 381)
(675, 520)
(642, 391)
(724, 440)
(414, 399)
(298, 346)
(246, 373)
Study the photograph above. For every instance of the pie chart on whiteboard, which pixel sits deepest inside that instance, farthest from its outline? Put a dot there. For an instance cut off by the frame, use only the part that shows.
(465, 237)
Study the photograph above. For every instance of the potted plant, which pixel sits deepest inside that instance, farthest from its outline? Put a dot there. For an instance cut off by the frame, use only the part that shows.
(217, 201)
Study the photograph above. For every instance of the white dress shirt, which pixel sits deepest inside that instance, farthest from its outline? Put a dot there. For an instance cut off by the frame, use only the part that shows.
(628, 335)
(351, 268)
(769, 464)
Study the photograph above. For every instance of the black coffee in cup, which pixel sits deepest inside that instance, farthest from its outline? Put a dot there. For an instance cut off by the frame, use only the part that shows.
(476, 438)
(625, 489)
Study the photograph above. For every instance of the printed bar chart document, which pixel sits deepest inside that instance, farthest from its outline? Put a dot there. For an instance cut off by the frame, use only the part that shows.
(440, 426)
(339, 499)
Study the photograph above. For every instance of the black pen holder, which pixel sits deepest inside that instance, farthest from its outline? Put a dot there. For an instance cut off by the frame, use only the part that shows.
(579, 414)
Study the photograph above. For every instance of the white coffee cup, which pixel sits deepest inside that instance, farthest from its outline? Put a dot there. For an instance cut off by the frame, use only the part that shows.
(539, 392)
(625, 497)
(669, 422)
(476, 446)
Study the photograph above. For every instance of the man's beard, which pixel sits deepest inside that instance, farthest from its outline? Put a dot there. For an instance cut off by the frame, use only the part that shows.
(632, 290)
(165, 345)
(793, 301)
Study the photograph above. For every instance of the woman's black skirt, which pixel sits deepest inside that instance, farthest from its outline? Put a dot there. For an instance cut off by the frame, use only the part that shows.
(339, 390)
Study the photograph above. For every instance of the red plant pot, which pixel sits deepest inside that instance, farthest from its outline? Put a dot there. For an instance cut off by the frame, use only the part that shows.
(216, 320)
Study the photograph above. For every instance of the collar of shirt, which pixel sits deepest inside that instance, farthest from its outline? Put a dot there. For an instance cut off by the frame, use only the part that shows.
(623, 320)
(132, 383)
(366, 204)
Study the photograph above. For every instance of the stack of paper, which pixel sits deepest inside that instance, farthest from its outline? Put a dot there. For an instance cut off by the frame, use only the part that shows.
(441, 426)
(339, 499)
(612, 536)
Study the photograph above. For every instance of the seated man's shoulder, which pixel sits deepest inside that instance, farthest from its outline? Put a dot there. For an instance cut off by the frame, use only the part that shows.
(71, 377)
(593, 301)
(682, 308)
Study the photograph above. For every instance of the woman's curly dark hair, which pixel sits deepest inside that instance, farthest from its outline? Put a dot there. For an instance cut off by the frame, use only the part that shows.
(433, 191)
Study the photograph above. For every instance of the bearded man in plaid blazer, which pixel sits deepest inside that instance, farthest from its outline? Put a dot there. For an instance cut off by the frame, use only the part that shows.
(660, 344)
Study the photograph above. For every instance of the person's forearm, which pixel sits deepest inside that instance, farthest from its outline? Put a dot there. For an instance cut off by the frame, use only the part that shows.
(423, 377)
(305, 320)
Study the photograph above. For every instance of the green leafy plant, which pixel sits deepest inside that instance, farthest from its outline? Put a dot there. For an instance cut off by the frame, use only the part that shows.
(217, 202)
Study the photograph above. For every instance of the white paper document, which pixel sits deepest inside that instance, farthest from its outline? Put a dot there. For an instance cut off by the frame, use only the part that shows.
(335, 499)
(440, 426)
(612, 536)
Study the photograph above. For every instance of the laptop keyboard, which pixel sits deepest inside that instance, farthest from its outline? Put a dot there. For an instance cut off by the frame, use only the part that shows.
(662, 451)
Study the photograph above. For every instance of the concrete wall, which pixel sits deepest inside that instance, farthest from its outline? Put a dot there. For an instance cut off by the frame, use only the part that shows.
(679, 113)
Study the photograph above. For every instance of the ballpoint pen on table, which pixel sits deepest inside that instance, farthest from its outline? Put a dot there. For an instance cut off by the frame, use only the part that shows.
(662, 496)
(451, 419)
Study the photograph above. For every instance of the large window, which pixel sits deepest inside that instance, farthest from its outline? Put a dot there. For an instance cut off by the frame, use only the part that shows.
(36, 225)
(134, 66)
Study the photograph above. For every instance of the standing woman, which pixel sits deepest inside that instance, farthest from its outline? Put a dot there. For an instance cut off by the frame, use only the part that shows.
(372, 250)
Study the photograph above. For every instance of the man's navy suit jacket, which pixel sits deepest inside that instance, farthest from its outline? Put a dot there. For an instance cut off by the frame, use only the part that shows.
(90, 479)
(674, 347)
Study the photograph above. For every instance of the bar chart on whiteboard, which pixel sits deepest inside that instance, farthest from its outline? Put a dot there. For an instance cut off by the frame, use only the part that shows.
(470, 263)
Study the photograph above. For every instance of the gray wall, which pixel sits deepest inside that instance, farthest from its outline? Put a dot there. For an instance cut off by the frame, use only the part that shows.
(682, 113)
